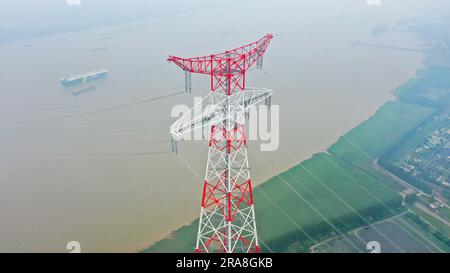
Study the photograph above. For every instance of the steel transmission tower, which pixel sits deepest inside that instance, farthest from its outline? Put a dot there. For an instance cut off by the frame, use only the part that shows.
(227, 217)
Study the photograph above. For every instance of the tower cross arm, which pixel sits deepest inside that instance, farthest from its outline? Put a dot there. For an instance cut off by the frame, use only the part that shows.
(237, 60)
(199, 117)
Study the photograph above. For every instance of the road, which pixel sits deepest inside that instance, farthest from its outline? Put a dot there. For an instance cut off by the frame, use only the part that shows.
(385, 172)
(380, 169)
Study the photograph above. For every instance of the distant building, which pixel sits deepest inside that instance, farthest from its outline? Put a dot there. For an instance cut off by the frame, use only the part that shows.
(436, 205)
(407, 192)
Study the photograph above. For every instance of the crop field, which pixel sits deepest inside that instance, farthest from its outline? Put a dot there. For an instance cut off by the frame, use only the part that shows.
(400, 234)
(349, 243)
(320, 189)
(444, 212)
(432, 221)
(395, 239)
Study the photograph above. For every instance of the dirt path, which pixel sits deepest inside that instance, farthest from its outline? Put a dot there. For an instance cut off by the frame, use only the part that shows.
(380, 169)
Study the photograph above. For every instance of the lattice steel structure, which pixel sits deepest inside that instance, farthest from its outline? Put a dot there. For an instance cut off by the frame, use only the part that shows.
(227, 217)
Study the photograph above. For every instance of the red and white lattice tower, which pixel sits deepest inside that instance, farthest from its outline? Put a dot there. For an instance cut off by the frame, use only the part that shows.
(227, 217)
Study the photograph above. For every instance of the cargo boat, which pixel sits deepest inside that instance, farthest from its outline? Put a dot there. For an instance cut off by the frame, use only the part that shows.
(84, 90)
(71, 80)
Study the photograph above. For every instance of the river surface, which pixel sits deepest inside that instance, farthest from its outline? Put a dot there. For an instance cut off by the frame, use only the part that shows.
(97, 168)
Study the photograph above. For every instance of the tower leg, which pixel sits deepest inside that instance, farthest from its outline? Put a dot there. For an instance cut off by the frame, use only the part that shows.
(227, 217)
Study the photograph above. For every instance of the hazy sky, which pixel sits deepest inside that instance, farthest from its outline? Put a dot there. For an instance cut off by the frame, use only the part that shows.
(26, 18)
(56, 16)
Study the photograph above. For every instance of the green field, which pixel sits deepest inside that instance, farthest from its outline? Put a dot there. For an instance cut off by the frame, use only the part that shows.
(444, 212)
(321, 189)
